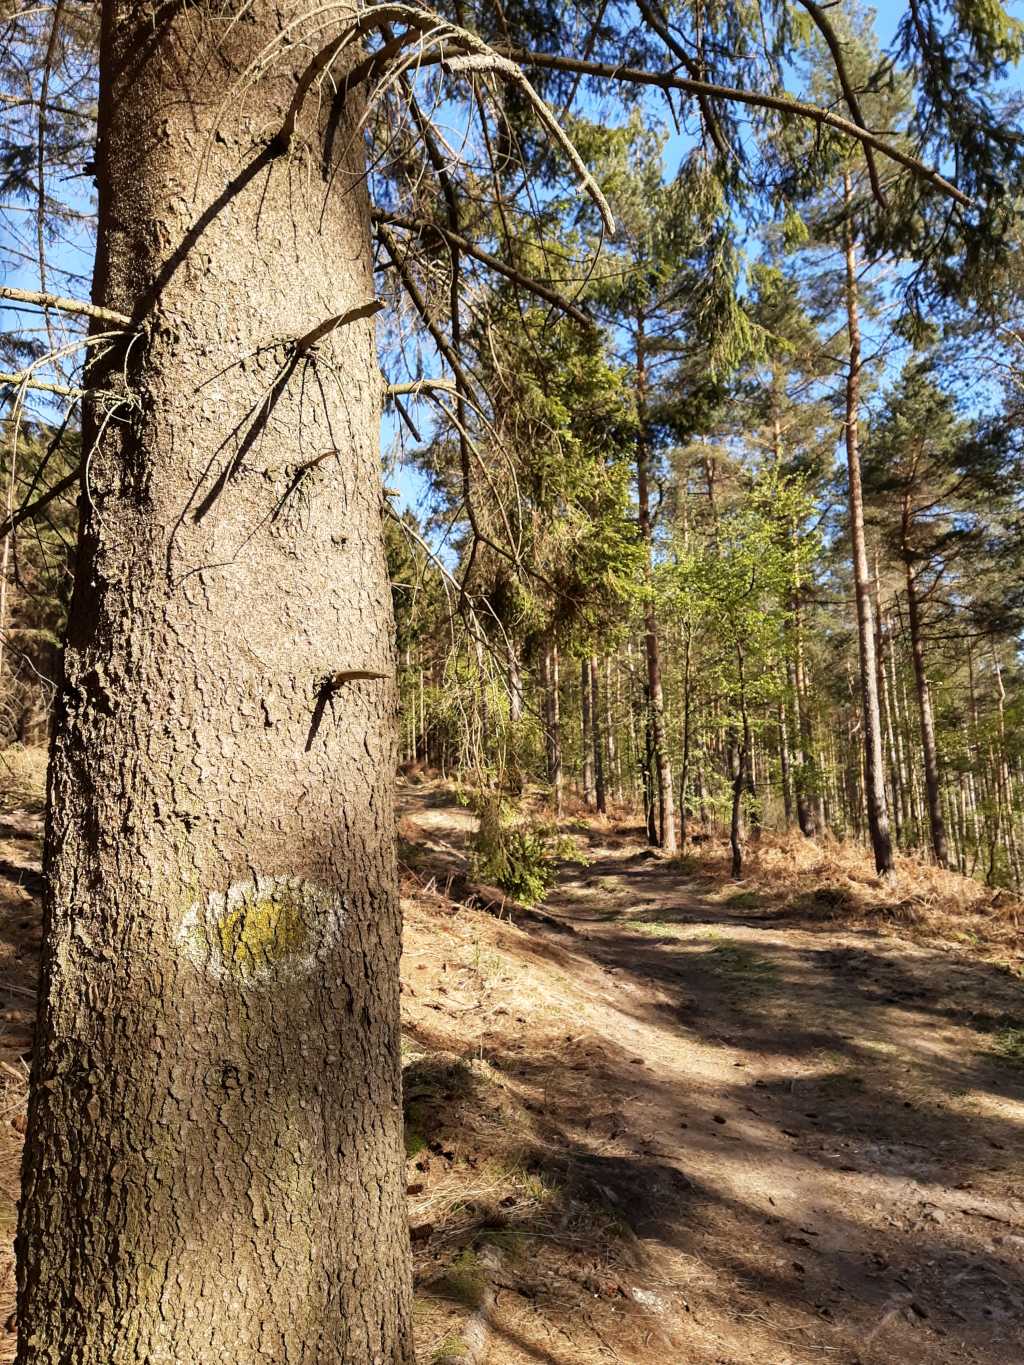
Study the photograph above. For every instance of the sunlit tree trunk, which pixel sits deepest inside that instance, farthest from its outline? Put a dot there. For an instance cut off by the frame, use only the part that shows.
(213, 1161)
(874, 771)
(929, 748)
(666, 828)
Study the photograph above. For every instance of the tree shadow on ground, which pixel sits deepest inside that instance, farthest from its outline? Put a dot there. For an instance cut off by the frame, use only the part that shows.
(806, 1118)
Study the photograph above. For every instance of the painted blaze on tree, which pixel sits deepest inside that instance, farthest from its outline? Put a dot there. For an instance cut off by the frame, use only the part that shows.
(213, 1160)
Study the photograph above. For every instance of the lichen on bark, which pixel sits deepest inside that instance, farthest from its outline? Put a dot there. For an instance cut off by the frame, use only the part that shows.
(261, 930)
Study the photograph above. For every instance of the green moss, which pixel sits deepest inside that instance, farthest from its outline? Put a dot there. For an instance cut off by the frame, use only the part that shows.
(414, 1142)
(466, 1281)
(451, 1346)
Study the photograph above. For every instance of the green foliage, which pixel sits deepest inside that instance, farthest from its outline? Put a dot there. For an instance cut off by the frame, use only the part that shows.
(1008, 1043)
(517, 854)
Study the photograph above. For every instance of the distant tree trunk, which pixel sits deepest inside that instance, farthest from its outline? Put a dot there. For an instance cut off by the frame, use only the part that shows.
(515, 687)
(810, 809)
(932, 782)
(213, 1164)
(666, 835)
(684, 783)
(553, 735)
(647, 775)
(595, 715)
(611, 743)
(587, 716)
(740, 764)
(874, 769)
(784, 773)
(885, 704)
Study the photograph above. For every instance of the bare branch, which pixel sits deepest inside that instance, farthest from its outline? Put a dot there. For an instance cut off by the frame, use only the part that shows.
(418, 385)
(24, 380)
(824, 25)
(495, 263)
(33, 509)
(35, 298)
(784, 103)
(661, 28)
(322, 329)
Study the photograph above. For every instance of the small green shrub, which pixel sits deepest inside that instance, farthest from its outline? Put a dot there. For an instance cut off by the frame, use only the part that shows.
(516, 854)
(1008, 1043)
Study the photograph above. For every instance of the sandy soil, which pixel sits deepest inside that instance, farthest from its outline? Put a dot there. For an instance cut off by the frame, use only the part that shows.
(804, 1127)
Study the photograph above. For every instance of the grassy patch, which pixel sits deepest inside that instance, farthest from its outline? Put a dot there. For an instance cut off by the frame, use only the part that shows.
(656, 928)
(737, 961)
(452, 1345)
(1008, 1043)
(466, 1281)
(743, 900)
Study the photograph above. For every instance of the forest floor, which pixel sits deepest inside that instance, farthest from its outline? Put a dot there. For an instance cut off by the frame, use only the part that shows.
(674, 1119)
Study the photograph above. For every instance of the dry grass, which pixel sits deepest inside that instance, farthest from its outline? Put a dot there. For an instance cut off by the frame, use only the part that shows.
(830, 879)
(23, 778)
(13, 1101)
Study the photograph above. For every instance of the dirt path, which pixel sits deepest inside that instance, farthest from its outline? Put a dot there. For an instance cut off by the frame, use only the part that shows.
(807, 1125)
(672, 1127)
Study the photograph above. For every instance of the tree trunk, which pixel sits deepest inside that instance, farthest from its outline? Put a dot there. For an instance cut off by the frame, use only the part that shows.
(784, 773)
(213, 1161)
(874, 771)
(614, 764)
(553, 718)
(929, 748)
(595, 721)
(666, 835)
(684, 782)
(740, 763)
(587, 728)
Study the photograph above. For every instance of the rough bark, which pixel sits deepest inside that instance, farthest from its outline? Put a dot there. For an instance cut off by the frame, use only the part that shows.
(213, 1162)
(874, 770)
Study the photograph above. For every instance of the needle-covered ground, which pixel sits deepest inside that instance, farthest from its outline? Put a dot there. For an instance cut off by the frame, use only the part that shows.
(674, 1119)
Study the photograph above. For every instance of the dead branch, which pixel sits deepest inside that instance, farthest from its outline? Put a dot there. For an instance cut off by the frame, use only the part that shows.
(494, 263)
(35, 298)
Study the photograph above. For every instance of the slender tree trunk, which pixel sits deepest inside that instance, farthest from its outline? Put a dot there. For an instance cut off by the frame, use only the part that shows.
(555, 729)
(5, 548)
(874, 770)
(515, 687)
(614, 764)
(885, 704)
(932, 781)
(600, 797)
(684, 784)
(213, 1165)
(784, 773)
(810, 800)
(883, 701)
(587, 717)
(740, 764)
(666, 815)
